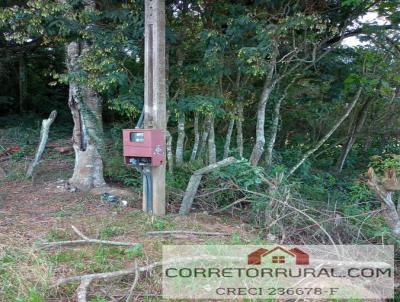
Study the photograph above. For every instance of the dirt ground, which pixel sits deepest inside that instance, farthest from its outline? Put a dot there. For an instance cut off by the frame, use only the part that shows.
(42, 210)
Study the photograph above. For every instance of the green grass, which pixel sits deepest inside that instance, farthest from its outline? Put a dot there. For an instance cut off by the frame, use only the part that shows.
(97, 299)
(142, 223)
(57, 235)
(111, 231)
(78, 208)
(95, 259)
(24, 276)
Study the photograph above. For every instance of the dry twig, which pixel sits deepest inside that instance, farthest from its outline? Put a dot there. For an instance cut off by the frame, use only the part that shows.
(179, 232)
(84, 240)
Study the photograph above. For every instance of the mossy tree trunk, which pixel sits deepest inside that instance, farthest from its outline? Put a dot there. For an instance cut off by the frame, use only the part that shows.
(87, 139)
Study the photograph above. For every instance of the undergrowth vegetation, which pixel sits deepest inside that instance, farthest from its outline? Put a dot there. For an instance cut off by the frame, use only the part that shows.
(313, 207)
(350, 212)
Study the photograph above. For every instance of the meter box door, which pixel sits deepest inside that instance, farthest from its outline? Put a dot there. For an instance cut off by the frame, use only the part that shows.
(144, 147)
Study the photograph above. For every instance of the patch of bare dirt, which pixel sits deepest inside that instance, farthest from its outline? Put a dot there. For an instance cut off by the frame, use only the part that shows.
(31, 210)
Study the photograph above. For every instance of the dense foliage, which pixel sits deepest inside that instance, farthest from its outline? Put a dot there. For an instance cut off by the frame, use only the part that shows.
(275, 75)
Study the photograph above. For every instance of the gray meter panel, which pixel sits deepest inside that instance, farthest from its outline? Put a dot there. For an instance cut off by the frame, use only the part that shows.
(137, 137)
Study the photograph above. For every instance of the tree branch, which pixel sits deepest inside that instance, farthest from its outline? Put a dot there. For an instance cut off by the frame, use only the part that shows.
(84, 240)
(179, 232)
(326, 137)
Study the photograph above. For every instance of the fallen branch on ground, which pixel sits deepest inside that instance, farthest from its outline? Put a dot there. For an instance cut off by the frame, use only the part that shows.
(84, 240)
(195, 180)
(108, 275)
(135, 281)
(179, 232)
(147, 268)
(87, 279)
(81, 292)
(44, 135)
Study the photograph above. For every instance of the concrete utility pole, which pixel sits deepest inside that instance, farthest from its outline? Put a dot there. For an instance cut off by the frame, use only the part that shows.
(155, 90)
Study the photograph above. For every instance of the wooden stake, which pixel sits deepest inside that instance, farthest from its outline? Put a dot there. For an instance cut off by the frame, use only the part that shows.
(155, 90)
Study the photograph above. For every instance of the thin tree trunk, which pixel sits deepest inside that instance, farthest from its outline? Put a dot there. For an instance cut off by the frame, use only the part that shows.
(181, 115)
(170, 156)
(274, 131)
(22, 83)
(168, 136)
(354, 130)
(270, 82)
(269, 85)
(328, 135)
(228, 138)
(239, 130)
(196, 136)
(212, 152)
(87, 138)
(181, 139)
(204, 136)
(258, 148)
(195, 180)
(275, 123)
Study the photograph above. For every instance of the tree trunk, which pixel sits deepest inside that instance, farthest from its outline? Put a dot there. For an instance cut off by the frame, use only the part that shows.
(170, 156)
(181, 139)
(274, 130)
(239, 130)
(195, 180)
(204, 136)
(196, 136)
(275, 122)
(328, 135)
(228, 138)
(269, 85)
(22, 83)
(168, 137)
(354, 130)
(212, 152)
(258, 148)
(87, 138)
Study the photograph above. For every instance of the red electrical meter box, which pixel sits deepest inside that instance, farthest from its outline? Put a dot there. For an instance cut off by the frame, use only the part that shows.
(144, 147)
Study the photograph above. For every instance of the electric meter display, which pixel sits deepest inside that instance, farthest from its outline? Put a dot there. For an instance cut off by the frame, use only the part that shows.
(137, 137)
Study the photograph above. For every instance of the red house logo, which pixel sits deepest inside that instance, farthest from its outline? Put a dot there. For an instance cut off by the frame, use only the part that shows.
(278, 255)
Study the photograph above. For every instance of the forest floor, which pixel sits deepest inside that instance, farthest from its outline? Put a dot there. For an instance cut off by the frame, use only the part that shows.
(33, 211)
